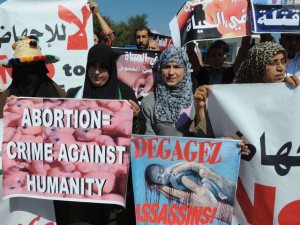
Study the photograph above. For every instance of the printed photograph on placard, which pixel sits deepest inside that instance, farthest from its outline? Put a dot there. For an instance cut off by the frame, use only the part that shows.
(67, 149)
(180, 180)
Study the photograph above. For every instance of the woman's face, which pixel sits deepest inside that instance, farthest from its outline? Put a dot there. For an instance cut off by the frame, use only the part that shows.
(172, 73)
(98, 75)
(275, 69)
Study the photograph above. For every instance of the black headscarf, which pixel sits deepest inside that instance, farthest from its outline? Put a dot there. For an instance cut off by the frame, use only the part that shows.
(31, 80)
(169, 101)
(105, 56)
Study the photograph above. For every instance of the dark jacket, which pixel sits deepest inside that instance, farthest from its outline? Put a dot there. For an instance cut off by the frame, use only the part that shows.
(139, 122)
(202, 75)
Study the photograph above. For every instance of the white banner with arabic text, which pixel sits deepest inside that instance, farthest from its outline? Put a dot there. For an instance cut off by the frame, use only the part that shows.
(64, 29)
(265, 116)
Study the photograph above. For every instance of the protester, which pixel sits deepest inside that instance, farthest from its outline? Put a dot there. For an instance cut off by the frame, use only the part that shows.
(170, 110)
(153, 45)
(142, 37)
(216, 72)
(106, 36)
(101, 77)
(195, 59)
(265, 63)
(29, 72)
(222, 44)
(291, 43)
(101, 83)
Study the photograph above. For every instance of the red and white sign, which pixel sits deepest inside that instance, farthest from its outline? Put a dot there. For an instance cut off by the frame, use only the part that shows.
(64, 29)
(266, 117)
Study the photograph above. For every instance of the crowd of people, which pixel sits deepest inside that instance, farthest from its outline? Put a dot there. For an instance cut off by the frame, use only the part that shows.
(177, 106)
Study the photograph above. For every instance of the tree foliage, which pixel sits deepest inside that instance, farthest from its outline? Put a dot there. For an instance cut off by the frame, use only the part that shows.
(204, 44)
(124, 30)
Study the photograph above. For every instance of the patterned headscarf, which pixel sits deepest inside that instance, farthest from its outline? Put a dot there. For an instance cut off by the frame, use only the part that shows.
(170, 100)
(253, 67)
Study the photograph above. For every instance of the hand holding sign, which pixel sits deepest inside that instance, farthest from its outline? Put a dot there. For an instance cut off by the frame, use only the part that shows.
(292, 80)
(135, 107)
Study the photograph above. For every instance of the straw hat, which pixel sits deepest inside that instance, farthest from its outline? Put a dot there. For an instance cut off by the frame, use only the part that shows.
(27, 50)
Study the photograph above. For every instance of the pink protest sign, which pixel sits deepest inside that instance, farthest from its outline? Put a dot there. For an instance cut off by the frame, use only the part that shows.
(68, 149)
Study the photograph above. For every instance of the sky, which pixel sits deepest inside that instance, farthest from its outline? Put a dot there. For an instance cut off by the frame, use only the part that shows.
(160, 12)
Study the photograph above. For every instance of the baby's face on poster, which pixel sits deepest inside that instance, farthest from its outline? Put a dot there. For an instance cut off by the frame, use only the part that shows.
(159, 175)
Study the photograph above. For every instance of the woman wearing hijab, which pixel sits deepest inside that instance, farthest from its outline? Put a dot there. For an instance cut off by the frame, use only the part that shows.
(101, 83)
(170, 110)
(101, 79)
(265, 63)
